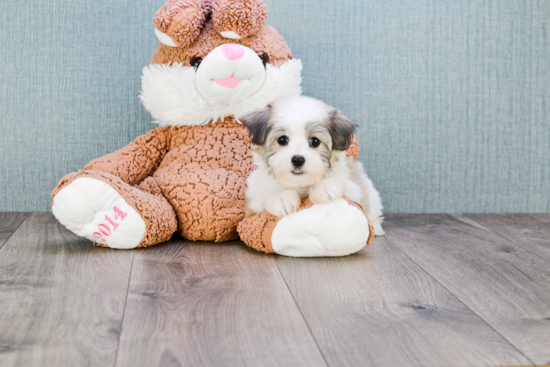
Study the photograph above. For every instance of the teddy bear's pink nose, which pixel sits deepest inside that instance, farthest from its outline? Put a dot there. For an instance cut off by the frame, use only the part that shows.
(233, 52)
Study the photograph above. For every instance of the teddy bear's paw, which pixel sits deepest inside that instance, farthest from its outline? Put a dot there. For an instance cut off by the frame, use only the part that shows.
(93, 209)
(333, 229)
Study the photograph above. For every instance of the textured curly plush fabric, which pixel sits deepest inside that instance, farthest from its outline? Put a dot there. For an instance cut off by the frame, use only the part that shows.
(203, 176)
(256, 231)
(267, 41)
(137, 160)
(181, 20)
(244, 17)
(353, 149)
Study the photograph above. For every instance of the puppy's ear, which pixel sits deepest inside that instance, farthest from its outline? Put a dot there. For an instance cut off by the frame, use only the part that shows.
(258, 124)
(341, 129)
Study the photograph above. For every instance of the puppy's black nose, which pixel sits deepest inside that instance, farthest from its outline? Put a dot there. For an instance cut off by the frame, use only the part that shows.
(298, 161)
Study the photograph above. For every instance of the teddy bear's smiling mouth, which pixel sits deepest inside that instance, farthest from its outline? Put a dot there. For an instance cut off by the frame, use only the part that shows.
(231, 82)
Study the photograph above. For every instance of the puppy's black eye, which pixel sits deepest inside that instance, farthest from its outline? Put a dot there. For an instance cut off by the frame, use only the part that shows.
(283, 141)
(314, 142)
(263, 58)
(196, 62)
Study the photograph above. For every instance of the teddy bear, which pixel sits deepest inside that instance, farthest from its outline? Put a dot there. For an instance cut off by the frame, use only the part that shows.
(217, 61)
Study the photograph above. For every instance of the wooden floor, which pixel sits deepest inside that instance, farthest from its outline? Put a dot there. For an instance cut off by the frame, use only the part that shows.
(437, 290)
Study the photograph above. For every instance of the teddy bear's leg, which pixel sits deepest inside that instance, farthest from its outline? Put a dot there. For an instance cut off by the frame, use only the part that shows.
(102, 208)
(338, 228)
(210, 203)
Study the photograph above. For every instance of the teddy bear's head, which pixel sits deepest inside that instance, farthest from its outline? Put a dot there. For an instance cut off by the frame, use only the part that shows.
(217, 58)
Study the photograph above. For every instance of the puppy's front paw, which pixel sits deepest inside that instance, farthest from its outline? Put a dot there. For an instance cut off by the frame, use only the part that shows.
(326, 192)
(287, 202)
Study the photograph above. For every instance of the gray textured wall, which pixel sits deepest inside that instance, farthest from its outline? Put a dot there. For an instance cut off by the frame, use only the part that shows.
(453, 97)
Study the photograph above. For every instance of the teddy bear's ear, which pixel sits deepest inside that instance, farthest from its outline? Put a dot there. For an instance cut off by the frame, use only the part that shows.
(179, 22)
(237, 19)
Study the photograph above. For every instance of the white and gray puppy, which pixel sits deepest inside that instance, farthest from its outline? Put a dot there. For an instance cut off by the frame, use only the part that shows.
(299, 151)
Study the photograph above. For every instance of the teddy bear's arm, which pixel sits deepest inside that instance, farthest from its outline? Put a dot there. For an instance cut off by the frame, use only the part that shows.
(137, 160)
(294, 237)
(353, 149)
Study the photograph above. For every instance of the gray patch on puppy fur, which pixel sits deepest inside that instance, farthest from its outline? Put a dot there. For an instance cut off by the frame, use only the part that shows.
(271, 146)
(320, 130)
(259, 125)
(341, 129)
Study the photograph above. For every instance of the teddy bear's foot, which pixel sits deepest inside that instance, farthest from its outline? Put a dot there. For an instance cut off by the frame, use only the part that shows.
(338, 228)
(101, 207)
(93, 209)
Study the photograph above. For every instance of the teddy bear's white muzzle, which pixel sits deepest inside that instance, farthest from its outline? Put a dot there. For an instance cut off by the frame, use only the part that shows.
(230, 74)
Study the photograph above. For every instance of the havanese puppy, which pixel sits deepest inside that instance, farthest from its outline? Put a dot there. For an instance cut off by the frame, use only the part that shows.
(299, 151)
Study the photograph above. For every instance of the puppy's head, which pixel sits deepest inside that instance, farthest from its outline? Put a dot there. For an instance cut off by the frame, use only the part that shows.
(297, 138)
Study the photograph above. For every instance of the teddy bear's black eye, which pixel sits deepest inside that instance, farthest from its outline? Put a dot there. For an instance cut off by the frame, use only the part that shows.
(314, 142)
(196, 62)
(283, 141)
(263, 58)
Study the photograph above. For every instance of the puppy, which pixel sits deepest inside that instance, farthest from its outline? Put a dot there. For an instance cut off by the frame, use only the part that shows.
(299, 151)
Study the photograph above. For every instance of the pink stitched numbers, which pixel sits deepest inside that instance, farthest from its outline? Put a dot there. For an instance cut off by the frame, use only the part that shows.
(104, 230)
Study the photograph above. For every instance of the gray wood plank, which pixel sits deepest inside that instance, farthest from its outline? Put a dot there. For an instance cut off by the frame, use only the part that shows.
(61, 299)
(499, 280)
(541, 217)
(378, 308)
(202, 304)
(528, 231)
(9, 222)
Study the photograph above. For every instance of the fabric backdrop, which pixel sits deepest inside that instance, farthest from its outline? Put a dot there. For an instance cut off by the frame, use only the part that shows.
(452, 97)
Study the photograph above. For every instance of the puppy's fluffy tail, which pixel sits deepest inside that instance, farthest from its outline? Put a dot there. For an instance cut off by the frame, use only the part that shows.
(371, 202)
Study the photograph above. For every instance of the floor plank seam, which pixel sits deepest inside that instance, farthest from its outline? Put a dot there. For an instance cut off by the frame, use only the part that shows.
(27, 215)
(461, 301)
(509, 239)
(124, 309)
(302, 314)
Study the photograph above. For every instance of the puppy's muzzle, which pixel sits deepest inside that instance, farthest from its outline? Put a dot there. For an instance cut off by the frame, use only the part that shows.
(298, 161)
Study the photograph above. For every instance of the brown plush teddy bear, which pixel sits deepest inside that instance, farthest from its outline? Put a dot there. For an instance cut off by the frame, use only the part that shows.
(217, 61)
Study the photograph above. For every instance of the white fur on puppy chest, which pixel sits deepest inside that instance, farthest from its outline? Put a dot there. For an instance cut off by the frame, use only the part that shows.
(333, 229)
